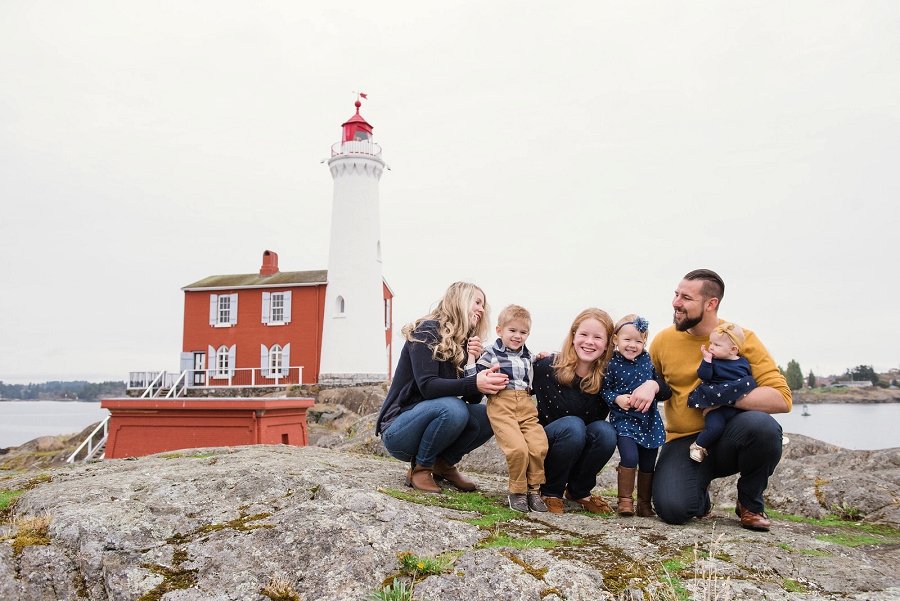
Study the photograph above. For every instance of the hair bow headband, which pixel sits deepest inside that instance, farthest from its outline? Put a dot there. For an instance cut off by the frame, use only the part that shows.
(641, 324)
(727, 329)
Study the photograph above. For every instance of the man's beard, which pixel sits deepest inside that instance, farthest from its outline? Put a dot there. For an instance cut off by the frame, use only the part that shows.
(687, 323)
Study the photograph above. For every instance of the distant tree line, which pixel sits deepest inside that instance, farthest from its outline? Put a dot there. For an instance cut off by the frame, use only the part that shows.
(795, 380)
(76, 389)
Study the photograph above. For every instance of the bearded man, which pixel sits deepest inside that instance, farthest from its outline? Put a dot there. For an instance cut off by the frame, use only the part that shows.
(751, 442)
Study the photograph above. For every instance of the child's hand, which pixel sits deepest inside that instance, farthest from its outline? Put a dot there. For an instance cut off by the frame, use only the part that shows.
(474, 348)
(707, 356)
(624, 401)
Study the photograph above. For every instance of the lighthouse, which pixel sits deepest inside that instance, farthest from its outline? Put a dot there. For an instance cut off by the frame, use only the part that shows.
(355, 348)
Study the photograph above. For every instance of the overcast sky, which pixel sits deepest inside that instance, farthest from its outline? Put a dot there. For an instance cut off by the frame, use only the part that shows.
(585, 154)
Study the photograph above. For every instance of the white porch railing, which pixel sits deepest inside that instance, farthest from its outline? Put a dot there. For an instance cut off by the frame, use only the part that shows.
(169, 385)
(96, 446)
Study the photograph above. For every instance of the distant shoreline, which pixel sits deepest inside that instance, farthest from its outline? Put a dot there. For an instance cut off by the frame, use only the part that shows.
(846, 395)
(50, 400)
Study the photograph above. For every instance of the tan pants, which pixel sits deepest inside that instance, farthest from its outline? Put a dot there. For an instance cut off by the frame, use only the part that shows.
(520, 436)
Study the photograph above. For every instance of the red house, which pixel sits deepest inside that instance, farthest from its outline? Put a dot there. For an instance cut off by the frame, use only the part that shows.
(258, 329)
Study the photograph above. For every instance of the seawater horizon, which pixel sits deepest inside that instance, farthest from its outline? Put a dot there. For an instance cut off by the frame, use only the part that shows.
(859, 426)
(22, 421)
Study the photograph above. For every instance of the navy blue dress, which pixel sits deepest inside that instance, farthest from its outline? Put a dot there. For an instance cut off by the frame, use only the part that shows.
(622, 377)
(725, 382)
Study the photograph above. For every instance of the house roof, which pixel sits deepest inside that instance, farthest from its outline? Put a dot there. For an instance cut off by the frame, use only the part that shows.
(254, 280)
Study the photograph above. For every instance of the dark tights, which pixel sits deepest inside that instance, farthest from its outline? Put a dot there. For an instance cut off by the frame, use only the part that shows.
(631, 454)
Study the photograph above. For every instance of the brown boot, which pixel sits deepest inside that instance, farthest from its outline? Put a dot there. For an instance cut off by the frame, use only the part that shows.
(420, 479)
(644, 491)
(626, 489)
(443, 470)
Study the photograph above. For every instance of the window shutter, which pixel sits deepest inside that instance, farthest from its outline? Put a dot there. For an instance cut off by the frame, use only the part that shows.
(287, 306)
(286, 360)
(232, 352)
(213, 309)
(234, 309)
(211, 361)
(187, 361)
(265, 310)
(264, 360)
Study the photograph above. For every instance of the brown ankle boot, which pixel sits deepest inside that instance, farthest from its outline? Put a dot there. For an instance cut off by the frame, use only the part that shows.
(420, 479)
(644, 492)
(626, 489)
(443, 470)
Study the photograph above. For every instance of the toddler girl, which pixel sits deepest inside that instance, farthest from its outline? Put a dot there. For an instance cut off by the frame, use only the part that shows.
(726, 380)
(640, 434)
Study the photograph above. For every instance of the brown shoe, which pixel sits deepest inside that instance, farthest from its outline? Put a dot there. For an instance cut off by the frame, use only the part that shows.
(753, 521)
(444, 471)
(420, 479)
(593, 503)
(554, 504)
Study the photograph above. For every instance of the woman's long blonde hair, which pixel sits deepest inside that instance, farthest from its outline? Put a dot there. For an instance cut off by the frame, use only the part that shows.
(566, 360)
(453, 315)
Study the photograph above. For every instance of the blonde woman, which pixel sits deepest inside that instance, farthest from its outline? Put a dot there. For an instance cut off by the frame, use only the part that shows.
(433, 415)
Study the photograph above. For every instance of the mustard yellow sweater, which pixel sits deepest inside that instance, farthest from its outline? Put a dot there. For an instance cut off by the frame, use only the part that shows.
(677, 355)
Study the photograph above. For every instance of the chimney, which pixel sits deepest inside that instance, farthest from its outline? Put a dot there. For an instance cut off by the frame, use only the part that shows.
(270, 264)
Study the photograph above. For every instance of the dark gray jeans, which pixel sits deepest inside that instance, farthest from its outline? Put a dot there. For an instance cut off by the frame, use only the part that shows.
(750, 446)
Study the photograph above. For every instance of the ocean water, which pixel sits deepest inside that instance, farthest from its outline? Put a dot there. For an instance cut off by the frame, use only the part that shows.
(866, 426)
(863, 426)
(21, 421)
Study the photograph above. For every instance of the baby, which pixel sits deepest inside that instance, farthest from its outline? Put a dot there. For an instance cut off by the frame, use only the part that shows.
(726, 379)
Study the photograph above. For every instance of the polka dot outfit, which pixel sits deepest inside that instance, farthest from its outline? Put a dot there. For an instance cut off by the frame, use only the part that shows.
(623, 376)
(724, 382)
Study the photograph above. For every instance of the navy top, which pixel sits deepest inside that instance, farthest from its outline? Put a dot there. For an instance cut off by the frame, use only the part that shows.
(623, 376)
(420, 377)
(555, 400)
(725, 382)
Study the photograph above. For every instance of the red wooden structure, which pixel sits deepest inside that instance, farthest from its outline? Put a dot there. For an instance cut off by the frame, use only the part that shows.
(140, 427)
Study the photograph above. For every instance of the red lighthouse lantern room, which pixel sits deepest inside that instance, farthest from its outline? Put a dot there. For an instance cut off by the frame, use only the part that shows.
(356, 129)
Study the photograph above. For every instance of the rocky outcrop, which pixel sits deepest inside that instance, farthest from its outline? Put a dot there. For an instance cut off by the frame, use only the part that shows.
(231, 523)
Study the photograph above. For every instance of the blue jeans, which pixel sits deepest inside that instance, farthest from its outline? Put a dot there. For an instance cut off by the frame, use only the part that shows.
(750, 445)
(576, 455)
(447, 427)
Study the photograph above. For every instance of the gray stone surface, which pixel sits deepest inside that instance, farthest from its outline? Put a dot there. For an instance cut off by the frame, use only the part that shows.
(223, 523)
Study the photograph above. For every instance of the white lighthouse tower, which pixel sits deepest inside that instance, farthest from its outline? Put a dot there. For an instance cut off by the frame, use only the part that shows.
(357, 314)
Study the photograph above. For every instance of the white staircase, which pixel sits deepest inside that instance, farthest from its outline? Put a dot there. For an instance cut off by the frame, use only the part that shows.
(94, 446)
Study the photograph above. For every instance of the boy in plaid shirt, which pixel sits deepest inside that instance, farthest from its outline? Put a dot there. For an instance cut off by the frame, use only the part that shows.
(512, 411)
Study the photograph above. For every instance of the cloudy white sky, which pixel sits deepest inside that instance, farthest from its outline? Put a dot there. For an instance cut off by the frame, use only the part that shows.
(559, 155)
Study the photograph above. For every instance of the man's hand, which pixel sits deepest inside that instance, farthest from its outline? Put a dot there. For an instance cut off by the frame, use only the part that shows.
(643, 396)
(765, 399)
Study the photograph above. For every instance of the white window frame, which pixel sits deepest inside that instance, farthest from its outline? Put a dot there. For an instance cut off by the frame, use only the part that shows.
(276, 308)
(275, 357)
(223, 367)
(223, 310)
